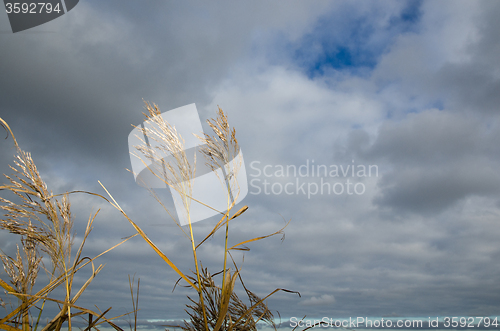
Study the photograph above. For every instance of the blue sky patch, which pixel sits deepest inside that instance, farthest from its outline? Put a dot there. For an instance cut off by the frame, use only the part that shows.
(343, 40)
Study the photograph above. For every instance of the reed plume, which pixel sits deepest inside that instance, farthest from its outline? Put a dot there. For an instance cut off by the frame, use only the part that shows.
(45, 226)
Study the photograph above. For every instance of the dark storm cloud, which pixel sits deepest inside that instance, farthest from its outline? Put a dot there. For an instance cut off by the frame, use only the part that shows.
(474, 84)
(88, 79)
(437, 158)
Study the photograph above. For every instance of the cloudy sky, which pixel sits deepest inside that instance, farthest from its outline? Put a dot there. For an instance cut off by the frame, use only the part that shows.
(411, 88)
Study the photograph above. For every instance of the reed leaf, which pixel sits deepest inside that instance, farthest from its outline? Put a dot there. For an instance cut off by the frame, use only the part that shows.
(280, 231)
(150, 243)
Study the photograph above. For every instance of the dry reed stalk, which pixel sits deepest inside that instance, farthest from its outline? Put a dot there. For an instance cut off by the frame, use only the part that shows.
(44, 224)
(178, 175)
(221, 151)
(40, 220)
(217, 308)
(135, 303)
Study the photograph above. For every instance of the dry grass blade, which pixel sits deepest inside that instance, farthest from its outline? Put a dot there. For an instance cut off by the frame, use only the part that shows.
(239, 212)
(135, 304)
(280, 231)
(221, 223)
(150, 243)
(6, 286)
(93, 323)
(227, 291)
(8, 327)
(7, 127)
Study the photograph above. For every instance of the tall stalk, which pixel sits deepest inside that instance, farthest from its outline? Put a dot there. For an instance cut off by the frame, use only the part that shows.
(221, 151)
(200, 284)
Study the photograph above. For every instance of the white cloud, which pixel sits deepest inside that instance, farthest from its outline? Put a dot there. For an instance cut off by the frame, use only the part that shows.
(324, 299)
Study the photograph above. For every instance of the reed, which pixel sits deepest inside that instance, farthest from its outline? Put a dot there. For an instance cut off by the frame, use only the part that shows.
(217, 307)
(44, 223)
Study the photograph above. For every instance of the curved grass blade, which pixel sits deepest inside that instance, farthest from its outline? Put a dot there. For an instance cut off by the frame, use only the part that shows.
(235, 247)
(150, 243)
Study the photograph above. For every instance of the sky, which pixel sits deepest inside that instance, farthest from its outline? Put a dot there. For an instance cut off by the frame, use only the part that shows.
(410, 88)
